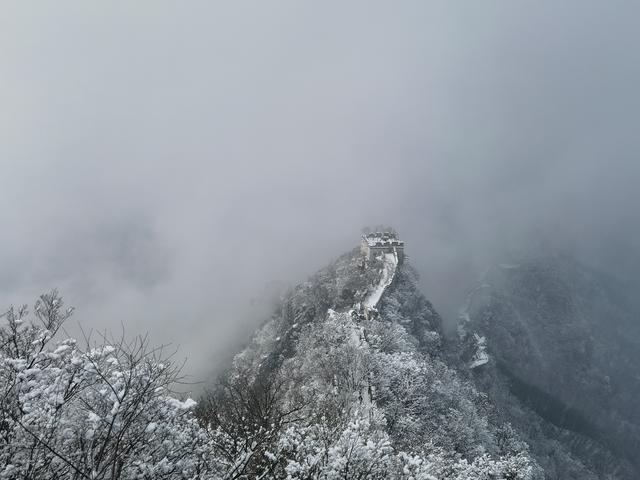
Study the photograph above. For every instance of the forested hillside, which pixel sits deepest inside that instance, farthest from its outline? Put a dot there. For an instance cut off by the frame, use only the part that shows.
(350, 378)
(328, 389)
(563, 346)
(346, 380)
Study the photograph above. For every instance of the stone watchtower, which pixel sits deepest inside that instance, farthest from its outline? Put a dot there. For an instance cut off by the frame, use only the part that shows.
(378, 243)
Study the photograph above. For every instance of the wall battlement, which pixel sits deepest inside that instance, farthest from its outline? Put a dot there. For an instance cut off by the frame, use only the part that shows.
(375, 244)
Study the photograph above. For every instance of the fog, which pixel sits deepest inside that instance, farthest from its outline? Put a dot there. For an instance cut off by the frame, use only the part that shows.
(170, 165)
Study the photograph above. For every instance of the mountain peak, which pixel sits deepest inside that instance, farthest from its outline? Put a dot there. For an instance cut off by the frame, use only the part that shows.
(356, 352)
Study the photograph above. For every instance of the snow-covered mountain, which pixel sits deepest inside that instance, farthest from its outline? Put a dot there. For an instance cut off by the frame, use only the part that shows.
(540, 381)
(560, 350)
(349, 379)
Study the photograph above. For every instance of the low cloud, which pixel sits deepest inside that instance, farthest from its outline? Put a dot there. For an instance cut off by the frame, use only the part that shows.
(162, 164)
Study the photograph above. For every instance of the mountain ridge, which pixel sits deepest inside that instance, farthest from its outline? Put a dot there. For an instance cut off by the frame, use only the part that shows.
(560, 338)
(366, 376)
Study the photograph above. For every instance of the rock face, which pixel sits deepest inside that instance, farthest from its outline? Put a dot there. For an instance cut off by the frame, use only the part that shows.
(564, 349)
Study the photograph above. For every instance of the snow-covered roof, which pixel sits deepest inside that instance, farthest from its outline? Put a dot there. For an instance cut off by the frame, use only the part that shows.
(382, 239)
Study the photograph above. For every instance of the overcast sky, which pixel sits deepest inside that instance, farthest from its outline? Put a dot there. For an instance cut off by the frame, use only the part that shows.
(162, 162)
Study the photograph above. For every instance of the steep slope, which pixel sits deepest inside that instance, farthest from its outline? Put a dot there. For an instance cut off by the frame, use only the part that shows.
(562, 345)
(346, 380)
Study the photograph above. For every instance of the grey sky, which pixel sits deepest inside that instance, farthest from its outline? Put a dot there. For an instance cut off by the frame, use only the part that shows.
(163, 161)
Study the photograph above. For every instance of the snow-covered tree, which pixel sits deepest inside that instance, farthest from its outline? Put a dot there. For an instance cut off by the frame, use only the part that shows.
(101, 412)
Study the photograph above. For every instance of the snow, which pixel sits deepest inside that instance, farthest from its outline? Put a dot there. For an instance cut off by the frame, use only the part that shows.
(481, 356)
(355, 338)
(388, 272)
(93, 417)
(151, 427)
(188, 404)
(379, 239)
(61, 349)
